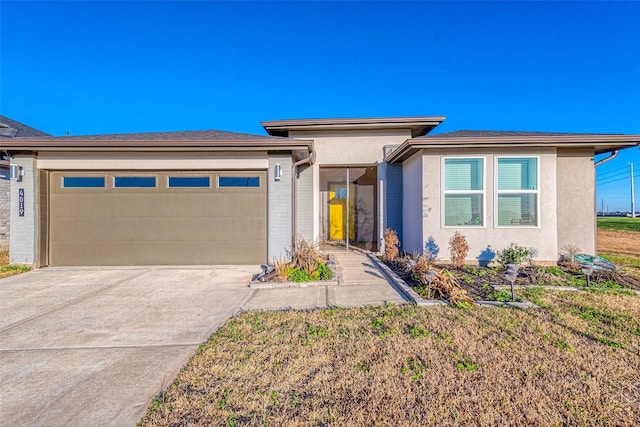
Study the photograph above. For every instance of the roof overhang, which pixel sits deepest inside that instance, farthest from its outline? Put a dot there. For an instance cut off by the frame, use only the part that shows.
(300, 148)
(418, 125)
(598, 143)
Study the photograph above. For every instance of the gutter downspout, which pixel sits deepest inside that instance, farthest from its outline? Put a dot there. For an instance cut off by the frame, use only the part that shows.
(294, 177)
(612, 156)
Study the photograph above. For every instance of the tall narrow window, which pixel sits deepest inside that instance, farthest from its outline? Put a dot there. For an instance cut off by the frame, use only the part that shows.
(463, 192)
(518, 191)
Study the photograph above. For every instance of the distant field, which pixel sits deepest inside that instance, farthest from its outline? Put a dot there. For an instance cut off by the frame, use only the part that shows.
(619, 223)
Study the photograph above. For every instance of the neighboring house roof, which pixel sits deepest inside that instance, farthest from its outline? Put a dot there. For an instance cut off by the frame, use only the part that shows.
(483, 139)
(418, 125)
(10, 128)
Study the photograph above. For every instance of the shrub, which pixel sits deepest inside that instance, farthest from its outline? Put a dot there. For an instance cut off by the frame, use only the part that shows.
(305, 256)
(391, 243)
(323, 272)
(299, 275)
(458, 248)
(514, 254)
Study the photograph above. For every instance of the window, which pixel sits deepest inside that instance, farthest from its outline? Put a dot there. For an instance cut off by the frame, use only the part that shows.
(134, 181)
(463, 192)
(517, 191)
(83, 182)
(189, 181)
(238, 181)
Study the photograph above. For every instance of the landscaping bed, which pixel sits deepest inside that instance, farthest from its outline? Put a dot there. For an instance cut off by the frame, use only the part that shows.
(480, 282)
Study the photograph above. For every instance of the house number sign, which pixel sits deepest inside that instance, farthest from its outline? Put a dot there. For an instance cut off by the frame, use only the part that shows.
(21, 201)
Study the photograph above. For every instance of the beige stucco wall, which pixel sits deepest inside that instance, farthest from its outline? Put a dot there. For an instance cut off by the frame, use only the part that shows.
(414, 190)
(152, 161)
(576, 199)
(543, 237)
(351, 147)
(335, 148)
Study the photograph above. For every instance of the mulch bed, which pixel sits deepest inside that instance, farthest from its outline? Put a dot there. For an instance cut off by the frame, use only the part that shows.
(480, 282)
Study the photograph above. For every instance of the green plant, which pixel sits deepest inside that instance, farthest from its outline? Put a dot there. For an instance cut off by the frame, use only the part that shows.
(513, 254)
(323, 272)
(299, 275)
(466, 364)
(501, 295)
(458, 249)
(391, 243)
(418, 332)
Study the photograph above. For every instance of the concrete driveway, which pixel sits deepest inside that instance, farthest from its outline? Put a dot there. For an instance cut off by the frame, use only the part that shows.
(92, 346)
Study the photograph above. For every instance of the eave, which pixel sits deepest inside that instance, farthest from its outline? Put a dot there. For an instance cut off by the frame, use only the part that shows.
(301, 148)
(418, 125)
(599, 143)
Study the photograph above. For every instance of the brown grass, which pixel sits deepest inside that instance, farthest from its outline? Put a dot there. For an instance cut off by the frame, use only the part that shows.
(619, 242)
(574, 362)
(7, 269)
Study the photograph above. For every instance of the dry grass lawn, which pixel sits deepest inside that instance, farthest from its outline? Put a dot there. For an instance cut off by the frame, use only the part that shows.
(7, 269)
(576, 361)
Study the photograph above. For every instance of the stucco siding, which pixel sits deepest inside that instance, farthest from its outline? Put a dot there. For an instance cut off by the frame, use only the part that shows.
(279, 195)
(351, 147)
(412, 201)
(24, 230)
(490, 237)
(576, 199)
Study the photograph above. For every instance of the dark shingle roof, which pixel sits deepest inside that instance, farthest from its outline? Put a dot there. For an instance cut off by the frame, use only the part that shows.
(191, 135)
(496, 133)
(13, 129)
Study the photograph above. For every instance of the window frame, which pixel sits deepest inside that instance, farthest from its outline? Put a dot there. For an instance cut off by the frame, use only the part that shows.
(498, 192)
(445, 192)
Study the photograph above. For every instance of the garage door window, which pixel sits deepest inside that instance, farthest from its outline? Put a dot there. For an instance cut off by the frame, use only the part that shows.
(238, 181)
(134, 181)
(189, 182)
(83, 182)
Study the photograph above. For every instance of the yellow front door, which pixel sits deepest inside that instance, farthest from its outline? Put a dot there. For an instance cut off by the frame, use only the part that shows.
(340, 209)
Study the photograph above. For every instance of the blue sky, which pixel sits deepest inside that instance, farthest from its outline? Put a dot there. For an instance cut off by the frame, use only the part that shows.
(102, 67)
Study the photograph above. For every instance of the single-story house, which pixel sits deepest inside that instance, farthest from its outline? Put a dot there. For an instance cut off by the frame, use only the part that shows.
(214, 197)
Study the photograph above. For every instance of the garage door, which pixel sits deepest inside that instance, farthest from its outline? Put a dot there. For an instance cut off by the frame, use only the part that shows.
(159, 218)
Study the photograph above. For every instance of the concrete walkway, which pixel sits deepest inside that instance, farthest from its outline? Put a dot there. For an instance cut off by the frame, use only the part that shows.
(93, 346)
(361, 283)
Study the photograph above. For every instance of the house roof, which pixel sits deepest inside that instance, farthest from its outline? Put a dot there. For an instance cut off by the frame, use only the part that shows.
(464, 139)
(199, 140)
(10, 128)
(418, 125)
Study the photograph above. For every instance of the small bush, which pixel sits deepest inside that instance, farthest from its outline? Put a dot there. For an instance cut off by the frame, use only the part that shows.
(299, 275)
(391, 243)
(323, 272)
(458, 248)
(514, 254)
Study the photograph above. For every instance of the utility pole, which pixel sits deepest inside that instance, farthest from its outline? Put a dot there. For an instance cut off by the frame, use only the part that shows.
(602, 208)
(633, 200)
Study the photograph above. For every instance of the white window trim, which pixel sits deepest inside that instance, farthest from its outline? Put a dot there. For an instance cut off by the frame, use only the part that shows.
(444, 192)
(496, 220)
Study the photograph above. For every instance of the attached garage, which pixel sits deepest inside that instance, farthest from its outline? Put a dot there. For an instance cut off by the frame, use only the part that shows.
(157, 217)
